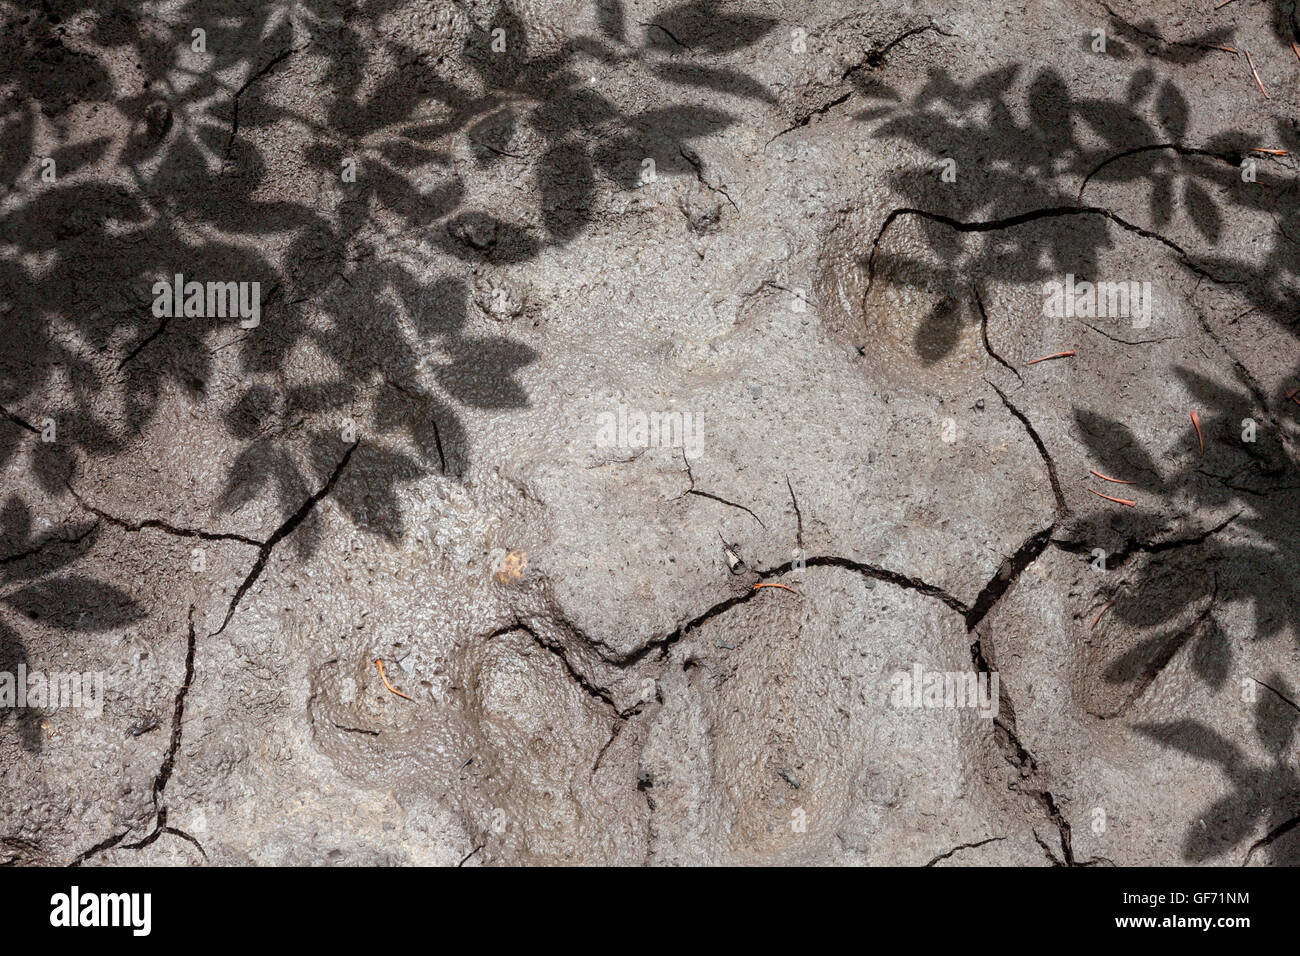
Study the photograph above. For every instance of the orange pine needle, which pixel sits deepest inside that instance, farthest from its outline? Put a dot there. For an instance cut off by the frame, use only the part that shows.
(1118, 481)
(1296, 49)
(380, 664)
(1196, 421)
(1294, 391)
(1225, 49)
(1255, 73)
(1044, 358)
(1270, 152)
(1120, 501)
(1105, 607)
(781, 586)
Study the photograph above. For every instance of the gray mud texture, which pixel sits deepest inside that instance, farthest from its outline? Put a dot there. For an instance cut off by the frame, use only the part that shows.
(577, 320)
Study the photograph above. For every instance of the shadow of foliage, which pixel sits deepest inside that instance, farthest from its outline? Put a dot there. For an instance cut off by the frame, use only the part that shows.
(1259, 479)
(1269, 793)
(1254, 566)
(37, 590)
(185, 175)
(189, 188)
(1030, 155)
(1029, 150)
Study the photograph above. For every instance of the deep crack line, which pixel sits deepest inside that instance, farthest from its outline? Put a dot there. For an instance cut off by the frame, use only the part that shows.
(1116, 338)
(963, 846)
(1230, 158)
(984, 334)
(160, 524)
(1121, 25)
(1133, 546)
(558, 651)
(1292, 704)
(282, 532)
(895, 578)
(1007, 574)
(19, 421)
(143, 343)
(1278, 831)
(1018, 756)
(165, 769)
(798, 515)
(1049, 212)
(1062, 509)
(697, 164)
(48, 543)
(178, 716)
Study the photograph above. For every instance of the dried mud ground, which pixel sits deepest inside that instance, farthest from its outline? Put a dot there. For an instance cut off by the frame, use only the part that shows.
(835, 263)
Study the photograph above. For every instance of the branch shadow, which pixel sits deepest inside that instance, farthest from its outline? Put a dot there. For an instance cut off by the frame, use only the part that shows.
(1029, 150)
(185, 183)
(1034, 169)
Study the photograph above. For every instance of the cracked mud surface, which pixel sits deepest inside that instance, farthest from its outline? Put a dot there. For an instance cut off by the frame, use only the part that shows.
(364, 583)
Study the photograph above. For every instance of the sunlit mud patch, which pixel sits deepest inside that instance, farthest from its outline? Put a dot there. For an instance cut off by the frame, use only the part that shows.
(909, 320)
(525, 755)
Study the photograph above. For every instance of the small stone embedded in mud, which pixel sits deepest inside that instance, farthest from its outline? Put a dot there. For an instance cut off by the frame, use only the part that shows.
(158, 119)
(144, 725)
(498, 298)
(702, 209)
(476, 230)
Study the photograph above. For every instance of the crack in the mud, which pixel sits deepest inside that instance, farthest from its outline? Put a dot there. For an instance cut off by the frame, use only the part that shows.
(1291, 703)
(1007, 574)
(907, 582)
(1272, 835)
(165, 769)
(1062, 509)
(807, 118)
(1008, 222)
(1232, 159)
(253, 78)
(98, 848)
(465, 859)
(1228, 481)
(19, 421)
(1133, 29)
(140, 347)
(1052, 858)
(160, 525)
(962, 846)
(1016, 754)
(798, 515)
(697, 164)
(1116, 338)
(618, 729)
(558, 650)
(1013, 749)
(704, 494)
(1133, 546)
(282, 532)
(873, 60)
(48, 543)
(984, 335)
